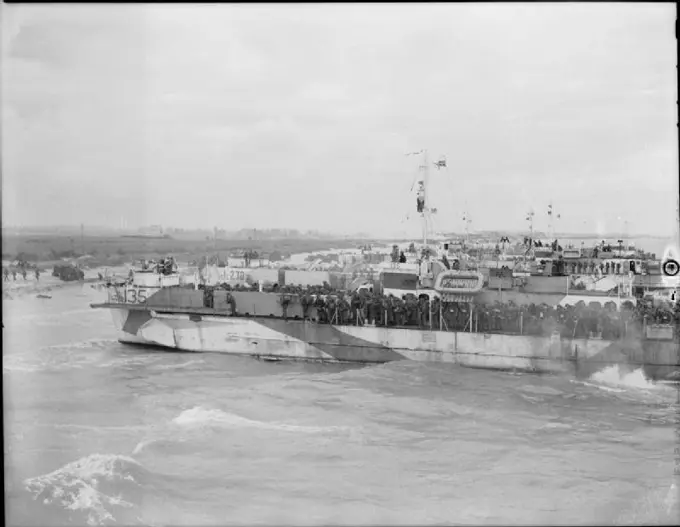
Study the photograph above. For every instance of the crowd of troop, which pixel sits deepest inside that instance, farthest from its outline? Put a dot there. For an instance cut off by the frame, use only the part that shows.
(325, 305)
(6, 272)
(165, 266)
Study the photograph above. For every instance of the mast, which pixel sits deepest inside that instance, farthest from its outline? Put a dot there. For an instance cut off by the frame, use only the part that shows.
(423, 206)
(530, 219)
(552, 221)
(426, 209)
(466, 221)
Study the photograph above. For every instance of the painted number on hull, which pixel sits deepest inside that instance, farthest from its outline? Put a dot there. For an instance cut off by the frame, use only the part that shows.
(116, 297)
(135, 296)
(237, 275)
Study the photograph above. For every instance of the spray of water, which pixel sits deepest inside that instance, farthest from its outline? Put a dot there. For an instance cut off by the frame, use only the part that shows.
(614, 376)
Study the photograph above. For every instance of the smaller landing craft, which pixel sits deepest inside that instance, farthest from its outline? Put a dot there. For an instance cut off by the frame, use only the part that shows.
(68, 272)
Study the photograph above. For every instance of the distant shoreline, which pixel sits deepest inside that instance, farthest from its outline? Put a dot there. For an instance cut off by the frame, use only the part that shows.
(263, 235)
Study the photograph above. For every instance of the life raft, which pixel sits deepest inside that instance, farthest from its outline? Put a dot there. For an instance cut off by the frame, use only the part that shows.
(459, 282)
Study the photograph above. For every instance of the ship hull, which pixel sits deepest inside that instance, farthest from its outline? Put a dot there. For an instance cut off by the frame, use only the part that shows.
(279, 339)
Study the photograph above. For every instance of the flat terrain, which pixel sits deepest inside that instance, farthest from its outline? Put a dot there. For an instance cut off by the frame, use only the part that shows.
(46, 249)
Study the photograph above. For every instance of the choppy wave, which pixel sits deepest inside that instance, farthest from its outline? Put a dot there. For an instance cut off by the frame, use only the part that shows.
(92, 488)
(200, 416)
(657, 507)
(83, 344)
(142, 445)
(73, 355)
(613, 376)
(46, 318)
(180, 365)
(132, 361)
(191, 424)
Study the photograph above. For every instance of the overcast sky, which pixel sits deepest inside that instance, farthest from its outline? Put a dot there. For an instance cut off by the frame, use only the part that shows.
(300, 115)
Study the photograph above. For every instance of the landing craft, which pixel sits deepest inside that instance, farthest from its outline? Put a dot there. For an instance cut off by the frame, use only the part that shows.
(159, 308)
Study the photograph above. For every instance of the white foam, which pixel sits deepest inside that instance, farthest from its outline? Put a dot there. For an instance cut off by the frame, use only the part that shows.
(671, 498)
(82, 344)
(142, 445)
(655, 507)
(604, 388)
(48, 317)
(178, 366)
(11, 364)
(56, 357)
(74, 486)
(199, 416)
(613, 376)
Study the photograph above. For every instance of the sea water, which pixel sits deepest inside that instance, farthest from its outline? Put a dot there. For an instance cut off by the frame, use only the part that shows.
(101, 433)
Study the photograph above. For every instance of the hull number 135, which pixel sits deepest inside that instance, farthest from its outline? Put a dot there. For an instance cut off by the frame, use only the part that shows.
(135, 296)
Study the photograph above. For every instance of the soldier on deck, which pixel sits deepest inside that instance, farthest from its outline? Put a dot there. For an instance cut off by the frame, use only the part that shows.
(337, 308)
(503, 315)
(364, 298)
(369, 308)
(399, 311)
(411, 310)
(376, 308)
(448, 316)
(285, 302)
(331, 310)
(342, 310)
(436, 305)
(208, 298)
(424, 305)
(446, 262)
(465, 321)
(320, 305)
(305, 301)
(388, 308)
(5, 272)
(232, 303)
(37, 274)
(483, 318)
(356, 309)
